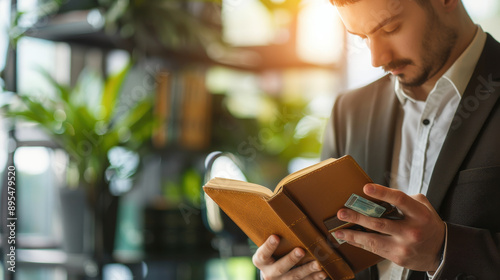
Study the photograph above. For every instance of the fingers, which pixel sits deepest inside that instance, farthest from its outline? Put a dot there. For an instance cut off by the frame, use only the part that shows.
(384, 226)
(413, 242)
(264, 254)
(395, 197)
(290, 260)
(263, 259)
(311, 270)
(273, 269)
(284, 266)
(372, 242)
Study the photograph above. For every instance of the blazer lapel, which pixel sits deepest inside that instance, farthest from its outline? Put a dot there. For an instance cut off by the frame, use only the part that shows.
(380, 137)
(476, 104)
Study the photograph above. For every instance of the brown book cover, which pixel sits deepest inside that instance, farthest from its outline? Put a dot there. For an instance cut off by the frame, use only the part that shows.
(297, 210)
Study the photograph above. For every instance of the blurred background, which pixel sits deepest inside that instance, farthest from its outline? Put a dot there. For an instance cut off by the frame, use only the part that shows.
(115, 113)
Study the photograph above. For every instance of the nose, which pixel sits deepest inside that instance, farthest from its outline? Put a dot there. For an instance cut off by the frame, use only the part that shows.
(380, 51)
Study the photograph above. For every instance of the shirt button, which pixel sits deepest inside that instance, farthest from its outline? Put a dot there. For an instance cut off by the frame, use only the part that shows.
(426, 122)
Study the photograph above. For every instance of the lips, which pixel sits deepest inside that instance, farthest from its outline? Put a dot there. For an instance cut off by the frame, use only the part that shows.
(397, 67)
(398, 70)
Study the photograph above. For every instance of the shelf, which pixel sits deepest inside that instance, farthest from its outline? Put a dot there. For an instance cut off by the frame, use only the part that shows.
(34, 242)
(52, 257)
(76, 28)
(74, 264)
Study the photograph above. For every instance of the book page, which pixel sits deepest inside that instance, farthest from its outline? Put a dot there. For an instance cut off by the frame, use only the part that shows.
(302, 172)
(240, 186)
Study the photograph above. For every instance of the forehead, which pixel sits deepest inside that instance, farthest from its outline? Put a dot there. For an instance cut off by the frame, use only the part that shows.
(365, 15)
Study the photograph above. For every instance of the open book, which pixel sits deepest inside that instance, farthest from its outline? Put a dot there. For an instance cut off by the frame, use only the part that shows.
(297, 211)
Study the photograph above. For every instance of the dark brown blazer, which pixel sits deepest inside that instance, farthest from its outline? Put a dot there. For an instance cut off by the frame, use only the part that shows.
(465, 183)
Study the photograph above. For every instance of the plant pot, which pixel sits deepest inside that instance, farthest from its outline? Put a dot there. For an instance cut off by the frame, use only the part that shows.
(105, 218)
(76, 221)
(89, 225)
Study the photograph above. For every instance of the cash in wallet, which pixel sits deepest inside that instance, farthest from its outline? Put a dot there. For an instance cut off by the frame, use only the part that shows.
(366, 207)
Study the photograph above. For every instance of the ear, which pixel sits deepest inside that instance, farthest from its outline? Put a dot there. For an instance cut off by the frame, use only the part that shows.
(448, 5)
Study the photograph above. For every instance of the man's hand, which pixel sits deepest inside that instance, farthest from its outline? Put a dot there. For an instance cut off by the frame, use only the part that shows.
(414, 242)
(280, 269)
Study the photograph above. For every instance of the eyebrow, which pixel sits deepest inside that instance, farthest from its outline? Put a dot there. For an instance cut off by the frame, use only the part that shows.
(380, 25)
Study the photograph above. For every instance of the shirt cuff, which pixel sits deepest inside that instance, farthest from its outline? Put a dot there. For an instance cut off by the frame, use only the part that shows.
(443, 257)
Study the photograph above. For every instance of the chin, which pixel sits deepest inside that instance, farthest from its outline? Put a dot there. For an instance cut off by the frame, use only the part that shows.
(412, 81)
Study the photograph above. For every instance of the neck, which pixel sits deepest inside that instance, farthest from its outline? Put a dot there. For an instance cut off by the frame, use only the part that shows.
(466, 31)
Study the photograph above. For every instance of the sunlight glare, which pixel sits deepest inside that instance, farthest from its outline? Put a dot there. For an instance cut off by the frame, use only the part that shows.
(32, 160)
(320, 33)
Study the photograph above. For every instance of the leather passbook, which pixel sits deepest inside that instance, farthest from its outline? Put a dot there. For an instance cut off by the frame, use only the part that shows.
(299, 211)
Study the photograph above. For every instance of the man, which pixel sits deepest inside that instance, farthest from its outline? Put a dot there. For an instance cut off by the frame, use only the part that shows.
(430, 131)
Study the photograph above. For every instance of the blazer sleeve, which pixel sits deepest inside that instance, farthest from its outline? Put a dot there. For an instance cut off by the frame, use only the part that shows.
(471, 253)
(330, 146)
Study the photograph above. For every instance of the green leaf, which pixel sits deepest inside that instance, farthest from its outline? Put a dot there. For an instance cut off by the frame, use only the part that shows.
(117, 10)
(62, 91)
(138, 113)
(111, 92)
(39, 112)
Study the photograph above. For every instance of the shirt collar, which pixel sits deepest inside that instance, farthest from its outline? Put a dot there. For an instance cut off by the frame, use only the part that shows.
(460, 72)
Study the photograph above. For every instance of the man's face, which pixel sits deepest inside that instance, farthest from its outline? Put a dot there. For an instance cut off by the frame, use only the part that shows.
(404, 38)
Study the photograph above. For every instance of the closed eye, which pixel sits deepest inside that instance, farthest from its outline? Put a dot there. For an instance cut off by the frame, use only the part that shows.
(390, 29)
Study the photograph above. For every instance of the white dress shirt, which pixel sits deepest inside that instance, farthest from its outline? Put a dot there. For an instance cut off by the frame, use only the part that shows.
(420, 132)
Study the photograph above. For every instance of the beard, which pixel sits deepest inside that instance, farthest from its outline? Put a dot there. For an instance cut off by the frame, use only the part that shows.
(436, 49)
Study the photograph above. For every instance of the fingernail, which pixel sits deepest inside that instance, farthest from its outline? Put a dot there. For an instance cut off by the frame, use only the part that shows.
(316, 266)
(299, 253)
(272, 240)
(322, 276)
(340, 234)
(369, 189)
(343, 214)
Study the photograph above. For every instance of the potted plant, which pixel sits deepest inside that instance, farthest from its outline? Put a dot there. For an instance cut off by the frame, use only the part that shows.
(90, 127)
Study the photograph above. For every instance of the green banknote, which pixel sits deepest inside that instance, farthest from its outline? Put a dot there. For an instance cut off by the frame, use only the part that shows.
(364, 206)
